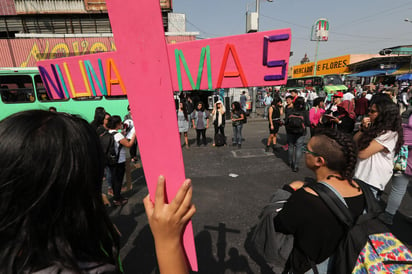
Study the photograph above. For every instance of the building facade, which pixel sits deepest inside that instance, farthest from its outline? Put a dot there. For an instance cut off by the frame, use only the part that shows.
(33, 30)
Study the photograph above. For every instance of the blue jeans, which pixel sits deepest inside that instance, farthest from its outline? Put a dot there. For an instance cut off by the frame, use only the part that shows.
(399, 185)
(237, 134)
(108, 175)
(295, 143)
(266, 113)
(323, 268)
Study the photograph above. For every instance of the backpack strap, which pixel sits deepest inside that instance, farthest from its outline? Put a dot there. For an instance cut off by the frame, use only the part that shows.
(119, 147)
(372, 204)
(334, 201)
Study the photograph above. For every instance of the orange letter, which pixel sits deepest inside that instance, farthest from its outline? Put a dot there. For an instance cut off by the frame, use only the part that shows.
(239, 72)
(118, 81)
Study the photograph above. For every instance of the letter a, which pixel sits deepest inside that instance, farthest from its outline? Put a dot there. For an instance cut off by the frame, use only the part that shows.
(239, 72)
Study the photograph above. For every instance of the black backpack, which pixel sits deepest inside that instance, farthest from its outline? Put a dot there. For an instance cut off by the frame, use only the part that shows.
(368, 246)
(107, 142)
(295, 124)
(219, 140)
(244, 121)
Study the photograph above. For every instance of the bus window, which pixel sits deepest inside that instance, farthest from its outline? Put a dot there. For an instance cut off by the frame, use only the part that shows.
(88, 98)
(309, 82)
(317, 81)
(41, 91)
(116, 97)
(16, 89)
(332, 80)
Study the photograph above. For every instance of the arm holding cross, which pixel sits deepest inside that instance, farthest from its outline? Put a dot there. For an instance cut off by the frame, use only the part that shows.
(167, 222)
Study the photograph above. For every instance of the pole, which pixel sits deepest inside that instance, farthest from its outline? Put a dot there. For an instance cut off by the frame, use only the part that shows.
(253, 89)
(257, 12)
(316, 57)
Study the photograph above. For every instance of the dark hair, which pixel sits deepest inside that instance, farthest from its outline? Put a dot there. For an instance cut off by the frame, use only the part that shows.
(184, 109)
(339, 151)
(203, 105)
(275, 101)
(52, 211)
(388, 119)
(98, 119)
(52, 109)
(114, 121)
(293, 90)
(317, 101)
(237, 107)
(299, 104)
(289, 97)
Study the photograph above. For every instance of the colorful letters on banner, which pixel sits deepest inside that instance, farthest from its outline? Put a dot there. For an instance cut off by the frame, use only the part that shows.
(258, 59)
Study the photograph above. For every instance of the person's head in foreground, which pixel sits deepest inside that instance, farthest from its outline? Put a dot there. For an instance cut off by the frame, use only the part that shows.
(331, 153)
(51, 209)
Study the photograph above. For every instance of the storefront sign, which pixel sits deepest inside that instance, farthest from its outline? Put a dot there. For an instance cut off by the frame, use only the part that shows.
(335, 65)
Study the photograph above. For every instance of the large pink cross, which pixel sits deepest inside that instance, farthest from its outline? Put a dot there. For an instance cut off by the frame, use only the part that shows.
(150, 70)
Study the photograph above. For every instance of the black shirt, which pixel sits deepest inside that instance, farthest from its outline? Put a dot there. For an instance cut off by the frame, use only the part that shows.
(316, 230)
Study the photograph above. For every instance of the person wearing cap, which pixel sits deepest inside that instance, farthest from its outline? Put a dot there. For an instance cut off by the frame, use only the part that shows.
(337, 99)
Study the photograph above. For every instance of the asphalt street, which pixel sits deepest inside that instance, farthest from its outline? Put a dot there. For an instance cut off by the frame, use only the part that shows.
(230, 187)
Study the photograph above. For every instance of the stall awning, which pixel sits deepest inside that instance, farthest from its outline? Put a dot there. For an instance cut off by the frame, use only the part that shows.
(405, 77)
(373, 72)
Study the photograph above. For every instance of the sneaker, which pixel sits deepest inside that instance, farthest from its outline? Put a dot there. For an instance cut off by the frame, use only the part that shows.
(285, 147)
(267, 148)
(120, 202)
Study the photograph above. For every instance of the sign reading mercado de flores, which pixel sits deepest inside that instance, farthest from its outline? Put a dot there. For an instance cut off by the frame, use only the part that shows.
(337, 65)
(144, 67)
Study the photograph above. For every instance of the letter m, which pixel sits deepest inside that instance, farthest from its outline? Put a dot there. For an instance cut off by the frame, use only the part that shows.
(180, 59)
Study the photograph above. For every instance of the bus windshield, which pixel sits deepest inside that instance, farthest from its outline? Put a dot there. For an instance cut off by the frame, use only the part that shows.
(332, 80)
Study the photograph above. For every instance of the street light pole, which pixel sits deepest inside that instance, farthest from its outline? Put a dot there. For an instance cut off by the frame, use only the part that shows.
(254, 89)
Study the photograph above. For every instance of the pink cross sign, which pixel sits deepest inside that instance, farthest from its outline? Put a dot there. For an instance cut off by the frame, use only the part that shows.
(148, 70)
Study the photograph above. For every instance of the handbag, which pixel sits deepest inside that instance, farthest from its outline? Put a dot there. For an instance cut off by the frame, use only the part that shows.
(400, 160)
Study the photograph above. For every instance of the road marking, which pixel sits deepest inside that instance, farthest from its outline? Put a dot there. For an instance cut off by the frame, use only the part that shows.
(251, 153)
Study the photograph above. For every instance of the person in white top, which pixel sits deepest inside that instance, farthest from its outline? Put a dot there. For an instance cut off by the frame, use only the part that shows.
(121, 142)
(348, 96)
(379, 139)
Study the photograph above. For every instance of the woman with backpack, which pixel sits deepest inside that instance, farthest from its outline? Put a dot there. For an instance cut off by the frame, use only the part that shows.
(237, 116)
(117, 170)
(295, 124)
(380, 137)
(317, 232)
(275, 111)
